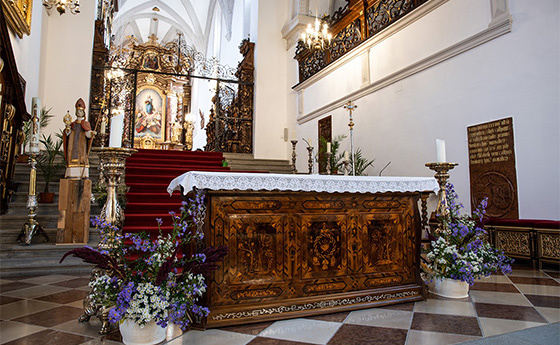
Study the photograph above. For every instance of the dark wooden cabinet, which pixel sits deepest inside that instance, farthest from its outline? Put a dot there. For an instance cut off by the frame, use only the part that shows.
(299, 253)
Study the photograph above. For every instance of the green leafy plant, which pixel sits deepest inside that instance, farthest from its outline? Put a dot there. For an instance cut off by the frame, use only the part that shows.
(362, 163)
(47, 161)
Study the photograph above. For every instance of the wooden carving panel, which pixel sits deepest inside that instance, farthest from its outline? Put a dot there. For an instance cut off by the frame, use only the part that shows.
(259, 243)
(324, 244)
(382, 242)
(302, 253)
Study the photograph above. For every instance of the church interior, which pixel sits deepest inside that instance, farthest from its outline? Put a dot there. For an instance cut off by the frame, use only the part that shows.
(323, 132)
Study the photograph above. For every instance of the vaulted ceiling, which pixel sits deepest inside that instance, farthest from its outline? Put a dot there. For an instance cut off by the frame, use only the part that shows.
(165, 18)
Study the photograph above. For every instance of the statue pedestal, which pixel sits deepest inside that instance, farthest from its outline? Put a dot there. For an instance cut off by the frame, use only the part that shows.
(73, 211)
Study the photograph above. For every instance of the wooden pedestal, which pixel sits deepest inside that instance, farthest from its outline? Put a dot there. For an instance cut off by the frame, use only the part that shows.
(294, 254)
(73, 211)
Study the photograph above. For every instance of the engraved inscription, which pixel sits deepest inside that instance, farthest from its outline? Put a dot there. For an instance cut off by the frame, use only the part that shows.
(490, 142)
(261, 293)
(492, 167)
(326, 287)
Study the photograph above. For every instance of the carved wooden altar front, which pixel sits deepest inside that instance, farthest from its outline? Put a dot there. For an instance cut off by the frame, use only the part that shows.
(295, 254)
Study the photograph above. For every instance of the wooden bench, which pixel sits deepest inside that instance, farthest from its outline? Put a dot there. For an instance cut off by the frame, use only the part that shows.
(530, 239)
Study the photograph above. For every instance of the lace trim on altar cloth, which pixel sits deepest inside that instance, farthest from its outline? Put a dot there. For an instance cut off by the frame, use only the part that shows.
(305, 183)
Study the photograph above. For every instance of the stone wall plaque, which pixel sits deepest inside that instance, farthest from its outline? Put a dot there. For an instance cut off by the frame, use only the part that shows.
(492, 167)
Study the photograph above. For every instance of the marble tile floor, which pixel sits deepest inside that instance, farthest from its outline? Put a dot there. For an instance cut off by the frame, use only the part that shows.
(44, 310)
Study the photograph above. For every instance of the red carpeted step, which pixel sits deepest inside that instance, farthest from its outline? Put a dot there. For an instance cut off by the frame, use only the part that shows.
(148, 173)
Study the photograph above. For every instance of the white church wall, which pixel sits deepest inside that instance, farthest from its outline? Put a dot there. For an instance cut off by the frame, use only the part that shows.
(514, 75)
(66, 62)
(271, 88)
(27, 50)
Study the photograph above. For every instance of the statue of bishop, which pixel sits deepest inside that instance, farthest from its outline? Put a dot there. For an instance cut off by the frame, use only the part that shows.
(78, 138)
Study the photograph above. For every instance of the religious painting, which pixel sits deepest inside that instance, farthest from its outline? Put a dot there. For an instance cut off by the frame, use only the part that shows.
(150, 115)
(18, 15)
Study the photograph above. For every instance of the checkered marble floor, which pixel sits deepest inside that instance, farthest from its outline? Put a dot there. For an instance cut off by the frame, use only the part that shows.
(44, 310)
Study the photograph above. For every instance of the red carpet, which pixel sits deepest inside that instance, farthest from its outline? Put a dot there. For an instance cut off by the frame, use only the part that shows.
(148, 173)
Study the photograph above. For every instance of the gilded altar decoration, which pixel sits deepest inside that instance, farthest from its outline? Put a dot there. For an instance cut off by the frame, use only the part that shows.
(18, 15)
(159, 77)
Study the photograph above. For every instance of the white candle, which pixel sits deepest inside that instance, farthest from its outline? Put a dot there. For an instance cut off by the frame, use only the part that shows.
(35, 125)
(116, 131)
(346, 155)
(440, 150)
(328, 147)
(310, 142)
(102, 128)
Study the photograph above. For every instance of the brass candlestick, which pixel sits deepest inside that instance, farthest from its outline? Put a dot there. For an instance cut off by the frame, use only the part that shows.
(442, 175)
(310, 160)
(32, 226)
(294, 155)
(112, 164)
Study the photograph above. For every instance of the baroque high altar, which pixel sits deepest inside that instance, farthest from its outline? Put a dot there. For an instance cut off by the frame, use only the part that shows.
(151, 84)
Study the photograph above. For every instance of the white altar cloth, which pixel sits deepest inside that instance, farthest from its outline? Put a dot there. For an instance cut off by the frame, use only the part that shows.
(306, 183)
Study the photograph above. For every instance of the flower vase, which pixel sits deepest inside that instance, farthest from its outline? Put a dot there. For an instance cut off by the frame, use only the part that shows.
(133, 334)
(450, 288)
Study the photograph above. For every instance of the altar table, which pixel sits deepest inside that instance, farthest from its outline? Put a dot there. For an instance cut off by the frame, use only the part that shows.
(302, 245)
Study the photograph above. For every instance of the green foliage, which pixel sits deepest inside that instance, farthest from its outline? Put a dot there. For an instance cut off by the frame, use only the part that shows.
(362, 163)
(44, 119)
(47, 161)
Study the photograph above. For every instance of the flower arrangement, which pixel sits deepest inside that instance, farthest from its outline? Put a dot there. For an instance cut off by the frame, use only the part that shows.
(145, 279)
(460, 251)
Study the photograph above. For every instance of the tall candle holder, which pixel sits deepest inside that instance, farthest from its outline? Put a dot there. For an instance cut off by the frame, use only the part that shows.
(310, 160)
(32, 226)
(112, 165)
(294, 156)
(328, 165)
(442, 175)
(350, 106)
(112, 162)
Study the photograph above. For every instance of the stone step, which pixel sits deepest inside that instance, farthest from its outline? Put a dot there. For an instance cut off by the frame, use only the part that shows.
(244, 161)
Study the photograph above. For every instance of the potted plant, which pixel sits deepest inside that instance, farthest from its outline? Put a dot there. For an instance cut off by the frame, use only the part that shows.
(44, 119)
(50, 162)
(460, 253)
(362, 163)
(148, 283)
